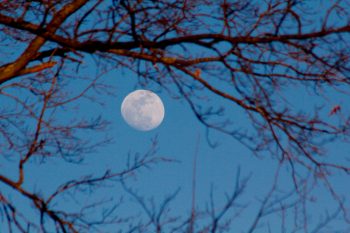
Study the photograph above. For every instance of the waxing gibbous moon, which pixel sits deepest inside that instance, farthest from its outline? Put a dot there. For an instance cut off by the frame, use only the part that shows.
(143, 110)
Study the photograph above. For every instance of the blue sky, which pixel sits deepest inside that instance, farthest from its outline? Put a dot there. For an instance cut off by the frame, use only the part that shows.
(177, 137)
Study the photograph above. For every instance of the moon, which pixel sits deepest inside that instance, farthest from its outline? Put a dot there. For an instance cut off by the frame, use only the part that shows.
(143, 110)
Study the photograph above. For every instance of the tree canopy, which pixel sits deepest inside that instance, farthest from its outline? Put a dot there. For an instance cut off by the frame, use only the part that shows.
(283, 64)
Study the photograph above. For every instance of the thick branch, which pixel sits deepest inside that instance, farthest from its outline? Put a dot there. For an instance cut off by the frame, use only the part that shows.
(11, 70)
